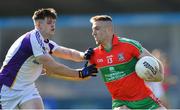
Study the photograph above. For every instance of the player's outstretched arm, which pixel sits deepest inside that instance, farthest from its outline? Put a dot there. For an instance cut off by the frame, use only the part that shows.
(72, 54)
(54, 68)
(69, 54)
(66, 77)
(160, 76)
(82, 73)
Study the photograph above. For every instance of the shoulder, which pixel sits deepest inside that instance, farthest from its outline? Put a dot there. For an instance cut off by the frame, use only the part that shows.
(35, 35)
(127, 40)
(130, 41)
(34, 32)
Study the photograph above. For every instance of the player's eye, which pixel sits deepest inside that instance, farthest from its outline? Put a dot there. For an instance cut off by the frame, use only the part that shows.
(96, 28)
(49, 22)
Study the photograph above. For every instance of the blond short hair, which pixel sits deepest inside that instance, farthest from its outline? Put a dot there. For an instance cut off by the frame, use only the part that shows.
(100, 18)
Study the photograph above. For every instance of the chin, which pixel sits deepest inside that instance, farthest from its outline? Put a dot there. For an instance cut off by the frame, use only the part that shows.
(51, 34)
(97, 43)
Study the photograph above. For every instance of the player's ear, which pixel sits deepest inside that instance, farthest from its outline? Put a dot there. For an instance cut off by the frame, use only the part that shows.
(37, 23)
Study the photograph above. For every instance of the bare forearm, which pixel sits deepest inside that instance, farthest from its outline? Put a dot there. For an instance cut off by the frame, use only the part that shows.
(76, 55)
(56, 68)
(65, 77)
(69, 54)
(62, 70)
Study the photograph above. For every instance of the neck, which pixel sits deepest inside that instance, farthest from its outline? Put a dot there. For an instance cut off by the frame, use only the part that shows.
(45, 36)
(107, 44)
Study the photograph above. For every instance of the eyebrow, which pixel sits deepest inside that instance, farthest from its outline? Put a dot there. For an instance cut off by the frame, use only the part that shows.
(96, 27)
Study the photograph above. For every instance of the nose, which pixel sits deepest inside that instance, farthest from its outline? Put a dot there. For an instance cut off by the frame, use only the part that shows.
(53, 25)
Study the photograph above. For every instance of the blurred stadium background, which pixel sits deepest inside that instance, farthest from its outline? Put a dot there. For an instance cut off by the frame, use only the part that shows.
(155, 23)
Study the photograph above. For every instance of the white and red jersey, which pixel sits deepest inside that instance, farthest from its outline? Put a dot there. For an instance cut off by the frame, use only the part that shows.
(20, 69)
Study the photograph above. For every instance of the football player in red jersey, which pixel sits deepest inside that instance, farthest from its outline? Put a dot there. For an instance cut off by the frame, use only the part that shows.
(115, 57)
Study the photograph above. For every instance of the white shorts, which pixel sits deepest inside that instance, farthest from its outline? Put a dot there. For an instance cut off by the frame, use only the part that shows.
(12, 99)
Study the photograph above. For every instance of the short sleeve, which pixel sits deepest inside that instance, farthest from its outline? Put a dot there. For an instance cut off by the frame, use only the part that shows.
(53, 46)
(137, 48)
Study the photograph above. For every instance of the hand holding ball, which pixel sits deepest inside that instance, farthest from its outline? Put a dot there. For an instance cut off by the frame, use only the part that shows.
(147, 68)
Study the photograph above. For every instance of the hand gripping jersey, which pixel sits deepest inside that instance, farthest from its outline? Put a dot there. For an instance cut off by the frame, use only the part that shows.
(20, 69)
(117, 67)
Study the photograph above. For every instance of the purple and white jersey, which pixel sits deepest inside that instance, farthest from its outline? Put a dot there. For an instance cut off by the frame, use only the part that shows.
(20, 69)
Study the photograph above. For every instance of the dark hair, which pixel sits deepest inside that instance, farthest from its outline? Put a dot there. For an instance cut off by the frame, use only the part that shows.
(43, 13)
(101, 18)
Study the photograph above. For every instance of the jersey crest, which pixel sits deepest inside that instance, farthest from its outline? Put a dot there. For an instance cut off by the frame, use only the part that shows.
(121, 57)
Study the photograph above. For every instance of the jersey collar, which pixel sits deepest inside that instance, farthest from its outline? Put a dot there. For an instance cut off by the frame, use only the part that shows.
(115, 40)
(46, 41)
